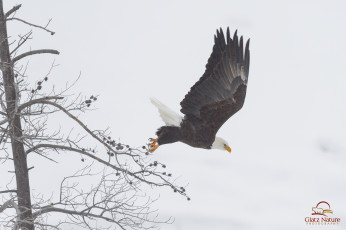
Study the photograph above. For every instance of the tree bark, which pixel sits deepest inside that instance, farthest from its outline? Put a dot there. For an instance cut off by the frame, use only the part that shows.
(15, 129)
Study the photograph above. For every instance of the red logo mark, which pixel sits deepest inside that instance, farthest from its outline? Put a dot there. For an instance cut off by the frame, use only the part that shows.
(321, 208)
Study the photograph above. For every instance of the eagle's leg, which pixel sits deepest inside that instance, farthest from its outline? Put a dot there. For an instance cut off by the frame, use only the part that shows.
(153, 144)
(153, 147)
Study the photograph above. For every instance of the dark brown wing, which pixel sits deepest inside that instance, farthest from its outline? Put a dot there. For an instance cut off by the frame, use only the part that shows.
(221, 91)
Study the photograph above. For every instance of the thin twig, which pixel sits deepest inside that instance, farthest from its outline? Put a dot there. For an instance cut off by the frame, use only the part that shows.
(30, 24)
(22, 41)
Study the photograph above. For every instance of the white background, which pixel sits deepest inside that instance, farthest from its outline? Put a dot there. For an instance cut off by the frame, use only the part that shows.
(288, 141)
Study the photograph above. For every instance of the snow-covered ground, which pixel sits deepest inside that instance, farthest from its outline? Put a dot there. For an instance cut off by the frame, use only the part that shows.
(288, 141)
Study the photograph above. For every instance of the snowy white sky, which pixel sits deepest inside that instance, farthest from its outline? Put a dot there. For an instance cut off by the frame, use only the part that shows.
(288, 141)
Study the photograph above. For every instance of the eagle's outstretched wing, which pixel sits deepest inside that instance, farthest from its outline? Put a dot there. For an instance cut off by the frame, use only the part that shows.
(221, 91)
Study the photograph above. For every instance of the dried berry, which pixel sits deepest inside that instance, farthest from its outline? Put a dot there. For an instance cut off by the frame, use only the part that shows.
(39, 87)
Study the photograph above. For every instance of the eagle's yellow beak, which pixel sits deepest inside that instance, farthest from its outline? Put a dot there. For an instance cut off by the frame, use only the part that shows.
(228, 149)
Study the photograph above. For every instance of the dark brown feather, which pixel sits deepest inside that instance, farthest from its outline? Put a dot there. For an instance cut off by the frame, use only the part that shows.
(221, 90)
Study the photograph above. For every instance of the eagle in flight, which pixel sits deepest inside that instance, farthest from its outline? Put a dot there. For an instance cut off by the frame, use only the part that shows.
(218, 94)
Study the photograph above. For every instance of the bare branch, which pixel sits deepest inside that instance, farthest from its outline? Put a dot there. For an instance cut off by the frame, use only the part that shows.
(37, 101)
(8, 191)
(67, 113)
(6, 205)
(112, 199)
(30, 24)
(70, 212)
(11, 11)
(9, 204)
(95, 158)
(33, 52)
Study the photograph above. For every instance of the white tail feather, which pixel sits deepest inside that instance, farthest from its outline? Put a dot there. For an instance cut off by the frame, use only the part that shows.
(170, 117)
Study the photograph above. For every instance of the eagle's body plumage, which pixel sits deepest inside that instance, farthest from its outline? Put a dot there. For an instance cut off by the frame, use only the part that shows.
(218, 95)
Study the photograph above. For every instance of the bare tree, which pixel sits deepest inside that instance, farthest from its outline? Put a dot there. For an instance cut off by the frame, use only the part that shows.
(116, 201)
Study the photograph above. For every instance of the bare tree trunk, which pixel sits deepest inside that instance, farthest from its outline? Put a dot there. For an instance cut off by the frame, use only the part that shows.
(15, 129)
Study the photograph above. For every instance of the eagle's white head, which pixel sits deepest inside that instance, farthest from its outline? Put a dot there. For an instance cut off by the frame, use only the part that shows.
(221, 144)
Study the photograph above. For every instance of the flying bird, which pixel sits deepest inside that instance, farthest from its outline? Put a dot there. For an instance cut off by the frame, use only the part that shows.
(217, 96)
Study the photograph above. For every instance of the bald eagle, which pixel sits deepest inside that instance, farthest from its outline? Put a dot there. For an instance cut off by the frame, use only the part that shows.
(218, 94)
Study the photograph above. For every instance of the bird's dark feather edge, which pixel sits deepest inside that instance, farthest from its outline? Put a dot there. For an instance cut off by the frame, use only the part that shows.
(220, 92)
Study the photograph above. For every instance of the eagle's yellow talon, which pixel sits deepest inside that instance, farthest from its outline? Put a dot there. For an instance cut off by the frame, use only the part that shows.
(154, 147)
(153, 144)
(153, 140)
